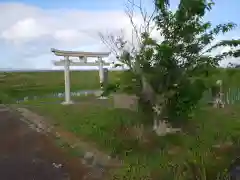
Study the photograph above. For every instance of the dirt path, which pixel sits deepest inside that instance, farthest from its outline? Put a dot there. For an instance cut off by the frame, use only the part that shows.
(28, 155)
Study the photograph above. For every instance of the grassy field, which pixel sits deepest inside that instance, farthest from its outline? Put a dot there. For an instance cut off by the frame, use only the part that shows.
(192, 151)
(15, 85)
(230, 77)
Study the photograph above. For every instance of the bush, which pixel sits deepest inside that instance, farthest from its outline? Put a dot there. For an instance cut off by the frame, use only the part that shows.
(110, 88)
(4, 98)
(127, 82)
(183, 103)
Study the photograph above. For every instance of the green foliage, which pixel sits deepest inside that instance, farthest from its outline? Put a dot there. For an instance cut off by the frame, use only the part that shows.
(110, 88)
(5, 98)
(185, 101)
(183, 55)
(127, 82)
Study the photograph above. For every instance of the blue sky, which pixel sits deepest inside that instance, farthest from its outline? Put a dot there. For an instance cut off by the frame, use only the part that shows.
(73, 4)
(222, 11)
(30, 28)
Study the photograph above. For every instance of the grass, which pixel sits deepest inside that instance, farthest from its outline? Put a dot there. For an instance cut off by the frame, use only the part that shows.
(74, 152)
(112, 129)
(58, 100)
(160, 157)
(15, 85)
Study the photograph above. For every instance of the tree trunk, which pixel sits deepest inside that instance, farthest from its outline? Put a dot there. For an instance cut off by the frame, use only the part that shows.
(149, 98)
(147, 91)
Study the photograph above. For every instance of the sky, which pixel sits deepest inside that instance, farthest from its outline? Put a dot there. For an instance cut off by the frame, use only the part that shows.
(30, 28)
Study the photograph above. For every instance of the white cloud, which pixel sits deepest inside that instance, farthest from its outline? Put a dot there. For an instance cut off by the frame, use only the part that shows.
(30, 32)
(24, 30)
(73, 37)
(66, 34)
(27, 33)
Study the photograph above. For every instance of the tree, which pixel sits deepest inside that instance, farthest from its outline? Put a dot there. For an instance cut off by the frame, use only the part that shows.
(127, 51)
(175, 69)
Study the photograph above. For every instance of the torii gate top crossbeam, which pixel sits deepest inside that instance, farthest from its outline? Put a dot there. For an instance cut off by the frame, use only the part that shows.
(80, 53)
(72, 63)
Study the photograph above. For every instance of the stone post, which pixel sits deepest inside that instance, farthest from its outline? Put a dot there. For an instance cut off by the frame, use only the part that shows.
(67, 81)
(105, 77)
(218, 96)
(101, 72)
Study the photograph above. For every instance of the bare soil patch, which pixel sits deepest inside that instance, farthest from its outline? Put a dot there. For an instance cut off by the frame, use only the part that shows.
(26, 154)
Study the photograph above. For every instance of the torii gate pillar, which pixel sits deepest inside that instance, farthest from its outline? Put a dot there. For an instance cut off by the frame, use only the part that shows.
(67, 81)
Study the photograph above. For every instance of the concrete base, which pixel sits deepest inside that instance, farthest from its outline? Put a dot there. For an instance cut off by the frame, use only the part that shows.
(103, 97)
(99, 93)
(67, 103)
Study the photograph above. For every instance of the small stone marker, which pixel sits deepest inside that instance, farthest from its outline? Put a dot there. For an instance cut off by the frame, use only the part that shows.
(88, 158)
(218, 94)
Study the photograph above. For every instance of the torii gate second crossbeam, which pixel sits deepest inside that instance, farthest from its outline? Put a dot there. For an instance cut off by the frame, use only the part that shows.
(82, 56)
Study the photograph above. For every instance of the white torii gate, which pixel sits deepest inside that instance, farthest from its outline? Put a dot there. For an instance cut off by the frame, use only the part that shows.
(66, 62)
